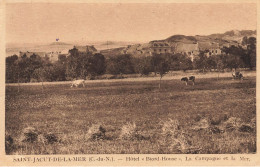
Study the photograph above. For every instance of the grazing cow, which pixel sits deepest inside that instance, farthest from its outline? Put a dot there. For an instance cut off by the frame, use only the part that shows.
(237, 75)
(76, 83)
(192, 78)
(186, 79)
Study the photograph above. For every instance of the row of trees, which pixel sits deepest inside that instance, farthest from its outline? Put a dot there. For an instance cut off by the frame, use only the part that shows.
(82, 65)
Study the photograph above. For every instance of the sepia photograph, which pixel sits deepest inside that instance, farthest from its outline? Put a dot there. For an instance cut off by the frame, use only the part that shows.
(130, 78)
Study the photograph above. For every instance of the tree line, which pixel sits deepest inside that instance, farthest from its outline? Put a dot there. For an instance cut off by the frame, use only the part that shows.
(87, 65)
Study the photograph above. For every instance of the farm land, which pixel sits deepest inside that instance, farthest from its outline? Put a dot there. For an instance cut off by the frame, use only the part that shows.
(215, 116)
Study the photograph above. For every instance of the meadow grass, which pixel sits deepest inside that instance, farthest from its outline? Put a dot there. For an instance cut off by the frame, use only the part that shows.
(139, 108)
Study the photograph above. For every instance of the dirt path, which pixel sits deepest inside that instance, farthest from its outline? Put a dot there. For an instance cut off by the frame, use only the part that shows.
(169, 76)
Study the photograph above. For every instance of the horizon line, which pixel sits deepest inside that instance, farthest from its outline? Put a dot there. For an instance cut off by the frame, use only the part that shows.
(142, 41)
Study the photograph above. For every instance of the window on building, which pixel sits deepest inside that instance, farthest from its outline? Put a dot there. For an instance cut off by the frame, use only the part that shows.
(165, 50)
(154, 50)
(160, 50)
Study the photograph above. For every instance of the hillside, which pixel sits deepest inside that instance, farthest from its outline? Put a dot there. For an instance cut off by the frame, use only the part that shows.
(233, 37)
(113, 51)
(181, 38)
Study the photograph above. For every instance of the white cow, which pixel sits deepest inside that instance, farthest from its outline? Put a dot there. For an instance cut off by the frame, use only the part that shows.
(76, 83)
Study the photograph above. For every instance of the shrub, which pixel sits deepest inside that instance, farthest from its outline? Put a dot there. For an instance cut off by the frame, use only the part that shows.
(232, 123)
(253, 122)
(181, 143)
(202, 124)
(41, 139)
(9, 143)
(215, 130)
(170, 127)
(51, 138)
(215, 120)
(245, 128)
(29, 134)
(174, 137)
(128, 131)
(48, 138)
(96, 132)
(197, 118)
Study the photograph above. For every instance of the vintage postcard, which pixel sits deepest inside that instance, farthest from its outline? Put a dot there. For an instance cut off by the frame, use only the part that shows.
(129, 83)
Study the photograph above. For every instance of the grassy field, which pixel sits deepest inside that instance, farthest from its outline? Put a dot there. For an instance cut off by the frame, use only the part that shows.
(214, 116)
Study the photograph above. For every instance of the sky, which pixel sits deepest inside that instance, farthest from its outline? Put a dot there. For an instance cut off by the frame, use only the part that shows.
(44, 22)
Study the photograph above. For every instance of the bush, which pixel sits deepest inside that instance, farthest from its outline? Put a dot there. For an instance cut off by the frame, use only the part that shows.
(215, 130)
(9, 143)
(51, 138)
(29, 134)
(128, 131)
(246, 128)
(96, 132)
(216, 120)
(203, 123)
(170, 127)
(176, 138)
(232, 123)
(253, 122)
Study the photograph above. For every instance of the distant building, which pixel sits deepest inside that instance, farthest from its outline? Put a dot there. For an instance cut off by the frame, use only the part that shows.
(215, 51)
(231, 44)
(160, 47)
(137, 50)
(53, 56)
(190, 49)
(213, 48)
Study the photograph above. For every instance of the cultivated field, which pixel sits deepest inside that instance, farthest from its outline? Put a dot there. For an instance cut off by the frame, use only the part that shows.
(214, 116)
